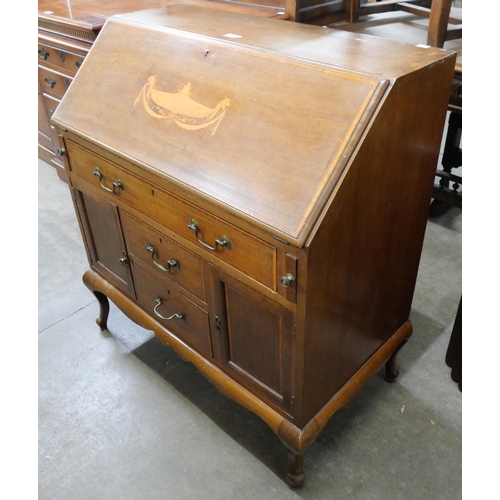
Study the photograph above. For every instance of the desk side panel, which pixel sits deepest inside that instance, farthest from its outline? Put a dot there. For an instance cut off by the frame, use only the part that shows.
(364, 256)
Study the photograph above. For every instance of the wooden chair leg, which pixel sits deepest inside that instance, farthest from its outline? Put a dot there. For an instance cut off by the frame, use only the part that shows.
(446, 194)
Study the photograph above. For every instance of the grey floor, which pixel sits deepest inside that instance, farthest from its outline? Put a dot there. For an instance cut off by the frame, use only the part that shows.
(122, 417)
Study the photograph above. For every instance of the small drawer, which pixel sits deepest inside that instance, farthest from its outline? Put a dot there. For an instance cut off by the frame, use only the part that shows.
(53, 83)
(172, 309)
(208, 233)
(59, 59)
(163, 255)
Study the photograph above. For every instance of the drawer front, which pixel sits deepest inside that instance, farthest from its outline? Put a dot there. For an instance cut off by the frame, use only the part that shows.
(59, 59)
(53, 83)
(177, 313)
(51, 104)
(241, 250)
(162, 255)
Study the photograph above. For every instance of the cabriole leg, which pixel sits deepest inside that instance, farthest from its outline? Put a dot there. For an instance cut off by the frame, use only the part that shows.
(102, 320)
(295, 470)
(391, 371)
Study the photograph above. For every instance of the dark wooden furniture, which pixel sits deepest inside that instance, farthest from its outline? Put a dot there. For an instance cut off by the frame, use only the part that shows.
(441, 27)
(256, 193)
(438, 24)
(453, 356)
(447, 191)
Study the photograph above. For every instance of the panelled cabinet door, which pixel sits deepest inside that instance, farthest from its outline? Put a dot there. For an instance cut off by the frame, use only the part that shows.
(254, 339)
(102, 229)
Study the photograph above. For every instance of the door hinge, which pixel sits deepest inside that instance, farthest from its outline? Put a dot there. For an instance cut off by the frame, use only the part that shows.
(293, 401)
(294, 331)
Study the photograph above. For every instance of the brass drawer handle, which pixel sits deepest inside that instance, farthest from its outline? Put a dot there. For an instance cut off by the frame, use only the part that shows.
(43, 53)
(171, 263)
(223, 241)
(116, 184)
(159, 302)
(49, 81)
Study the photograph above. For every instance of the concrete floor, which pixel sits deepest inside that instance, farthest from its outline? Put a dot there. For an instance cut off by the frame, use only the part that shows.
(120, 416)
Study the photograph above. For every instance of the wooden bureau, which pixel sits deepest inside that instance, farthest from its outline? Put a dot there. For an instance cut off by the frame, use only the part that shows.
(256, 193)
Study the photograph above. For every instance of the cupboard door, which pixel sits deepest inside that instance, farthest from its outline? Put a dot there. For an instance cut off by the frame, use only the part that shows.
(254, 336)
(102, 230)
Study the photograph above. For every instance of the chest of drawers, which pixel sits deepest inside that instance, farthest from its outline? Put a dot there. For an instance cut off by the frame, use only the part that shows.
(256, 193)
(58, 62)
(66, 32)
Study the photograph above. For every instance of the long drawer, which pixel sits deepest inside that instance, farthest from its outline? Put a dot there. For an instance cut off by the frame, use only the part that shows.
(162, 255)
(177, 313)
(250, 255)
(60, 59)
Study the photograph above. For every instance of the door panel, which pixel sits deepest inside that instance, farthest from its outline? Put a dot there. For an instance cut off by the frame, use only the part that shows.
(102, 229)
(255, 338)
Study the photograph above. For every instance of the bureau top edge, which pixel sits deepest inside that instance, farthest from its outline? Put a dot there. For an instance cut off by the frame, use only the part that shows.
(343, 50)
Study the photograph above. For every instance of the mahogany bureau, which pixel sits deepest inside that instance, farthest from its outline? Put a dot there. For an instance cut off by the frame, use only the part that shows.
(256, 193)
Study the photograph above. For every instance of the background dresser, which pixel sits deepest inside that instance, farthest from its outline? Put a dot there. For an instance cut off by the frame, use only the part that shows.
(256, 193)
